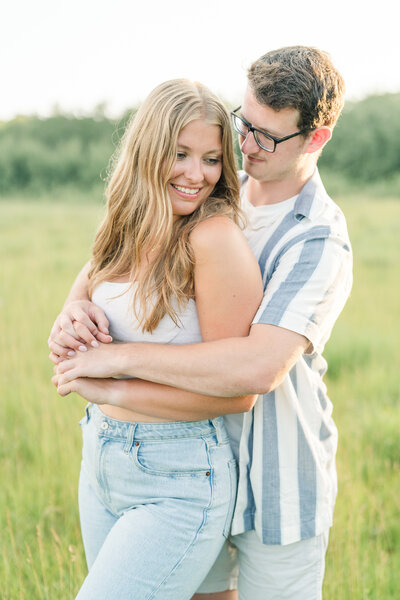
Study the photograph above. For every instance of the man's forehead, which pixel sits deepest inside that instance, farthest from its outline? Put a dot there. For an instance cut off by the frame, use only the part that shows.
(265, 117)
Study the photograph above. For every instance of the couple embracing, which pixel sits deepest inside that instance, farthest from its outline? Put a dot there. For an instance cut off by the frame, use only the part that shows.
(196, 333)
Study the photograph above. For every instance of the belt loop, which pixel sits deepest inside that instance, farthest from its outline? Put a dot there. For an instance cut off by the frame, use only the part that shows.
(217, 426)
(129, 438)
(87, 411)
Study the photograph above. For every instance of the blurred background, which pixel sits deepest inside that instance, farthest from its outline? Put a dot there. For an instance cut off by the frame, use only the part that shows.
(71, 73)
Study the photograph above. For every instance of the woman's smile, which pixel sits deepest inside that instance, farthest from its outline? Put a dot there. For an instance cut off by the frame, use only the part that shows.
(197, 168)
(186, 192)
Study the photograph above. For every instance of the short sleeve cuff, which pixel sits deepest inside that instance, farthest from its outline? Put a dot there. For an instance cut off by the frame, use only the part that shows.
(292, 322)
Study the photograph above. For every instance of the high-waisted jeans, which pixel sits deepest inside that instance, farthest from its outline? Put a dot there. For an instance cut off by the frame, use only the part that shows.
(156, 501)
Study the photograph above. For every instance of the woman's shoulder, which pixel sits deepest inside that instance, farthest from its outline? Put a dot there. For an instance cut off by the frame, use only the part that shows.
(216, 231)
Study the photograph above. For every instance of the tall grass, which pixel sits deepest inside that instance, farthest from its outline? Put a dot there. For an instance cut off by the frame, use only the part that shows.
(363, 380)
(42, 246)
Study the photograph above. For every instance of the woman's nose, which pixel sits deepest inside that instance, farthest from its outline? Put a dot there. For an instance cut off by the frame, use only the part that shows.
(194, 171)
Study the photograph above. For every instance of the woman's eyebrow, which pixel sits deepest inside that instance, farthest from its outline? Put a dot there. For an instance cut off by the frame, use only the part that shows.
(215, 151)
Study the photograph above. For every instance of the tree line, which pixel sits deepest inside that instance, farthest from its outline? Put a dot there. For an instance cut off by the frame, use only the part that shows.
(39, 154)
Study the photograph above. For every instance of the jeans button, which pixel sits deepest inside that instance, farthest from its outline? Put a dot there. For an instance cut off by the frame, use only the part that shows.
(104, 425)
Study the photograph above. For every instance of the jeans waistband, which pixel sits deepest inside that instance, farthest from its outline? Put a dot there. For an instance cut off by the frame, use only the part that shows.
(124, 430)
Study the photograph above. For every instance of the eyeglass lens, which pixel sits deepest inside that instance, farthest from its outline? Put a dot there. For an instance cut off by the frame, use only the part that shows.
(264, 141)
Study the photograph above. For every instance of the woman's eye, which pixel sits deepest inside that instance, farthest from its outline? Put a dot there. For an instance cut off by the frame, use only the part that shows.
(180, 155)
(212, 161)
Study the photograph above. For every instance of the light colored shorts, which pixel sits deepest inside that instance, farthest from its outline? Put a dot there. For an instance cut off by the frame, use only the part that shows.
(262, 572)
(156, 503)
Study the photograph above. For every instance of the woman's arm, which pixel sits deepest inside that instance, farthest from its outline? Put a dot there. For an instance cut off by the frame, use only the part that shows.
(228, 285)
(228, 292)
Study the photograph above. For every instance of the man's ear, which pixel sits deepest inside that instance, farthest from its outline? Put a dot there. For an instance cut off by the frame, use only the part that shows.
(319, 138)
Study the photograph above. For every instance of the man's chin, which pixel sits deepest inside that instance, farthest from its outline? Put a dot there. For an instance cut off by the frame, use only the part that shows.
(255, 169)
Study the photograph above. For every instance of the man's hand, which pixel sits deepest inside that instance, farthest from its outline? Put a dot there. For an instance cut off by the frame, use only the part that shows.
(99, 391)
(80, 322)
(101, 362)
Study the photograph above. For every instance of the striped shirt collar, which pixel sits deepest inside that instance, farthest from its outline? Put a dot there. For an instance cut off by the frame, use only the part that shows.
(304, 206)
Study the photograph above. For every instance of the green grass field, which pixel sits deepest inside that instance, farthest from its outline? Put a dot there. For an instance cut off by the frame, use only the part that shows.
(42, 246)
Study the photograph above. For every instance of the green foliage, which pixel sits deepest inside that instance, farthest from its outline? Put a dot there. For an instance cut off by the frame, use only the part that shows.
(42, 154)
(366, 141)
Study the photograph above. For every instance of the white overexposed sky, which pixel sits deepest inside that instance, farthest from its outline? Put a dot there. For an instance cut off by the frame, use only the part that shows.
(79, 53)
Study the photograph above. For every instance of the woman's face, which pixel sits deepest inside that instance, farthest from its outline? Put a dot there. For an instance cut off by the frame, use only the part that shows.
(197, 168)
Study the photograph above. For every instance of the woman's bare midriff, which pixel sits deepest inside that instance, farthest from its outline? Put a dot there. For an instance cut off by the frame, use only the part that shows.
(124, 414)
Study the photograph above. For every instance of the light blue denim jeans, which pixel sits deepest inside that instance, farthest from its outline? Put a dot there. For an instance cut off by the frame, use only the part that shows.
(156, 502)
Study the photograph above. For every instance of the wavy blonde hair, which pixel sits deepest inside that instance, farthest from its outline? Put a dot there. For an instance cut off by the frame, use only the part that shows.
(139, 213)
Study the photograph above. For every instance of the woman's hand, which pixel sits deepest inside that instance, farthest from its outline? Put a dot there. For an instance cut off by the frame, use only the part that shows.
(99, 391)
(80, 322)
(101, 362)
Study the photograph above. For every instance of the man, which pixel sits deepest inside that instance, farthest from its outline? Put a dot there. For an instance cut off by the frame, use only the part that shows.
(286, 444)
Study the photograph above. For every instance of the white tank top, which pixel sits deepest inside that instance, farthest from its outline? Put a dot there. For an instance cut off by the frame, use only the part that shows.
(124, 326)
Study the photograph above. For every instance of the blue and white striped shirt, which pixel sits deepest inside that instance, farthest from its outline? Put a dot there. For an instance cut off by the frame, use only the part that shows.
(287, 443)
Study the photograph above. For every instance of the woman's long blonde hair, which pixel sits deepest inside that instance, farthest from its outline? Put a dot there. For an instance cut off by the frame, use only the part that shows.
(139, 214)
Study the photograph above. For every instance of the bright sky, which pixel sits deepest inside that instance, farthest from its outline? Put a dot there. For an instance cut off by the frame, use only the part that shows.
(79, 53)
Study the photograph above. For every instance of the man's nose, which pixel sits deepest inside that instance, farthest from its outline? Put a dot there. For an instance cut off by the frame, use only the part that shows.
(249, 144)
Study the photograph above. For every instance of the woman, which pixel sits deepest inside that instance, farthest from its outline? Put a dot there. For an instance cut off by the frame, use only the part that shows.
(169, 265)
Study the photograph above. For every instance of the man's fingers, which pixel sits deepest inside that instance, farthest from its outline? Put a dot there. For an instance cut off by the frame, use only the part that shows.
(55, 358)
(54, 380)
(67, 377)
(63, 390)
(63, 366)
(68, 369)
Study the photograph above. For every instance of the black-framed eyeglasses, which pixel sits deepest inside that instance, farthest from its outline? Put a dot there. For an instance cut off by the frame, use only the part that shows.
(265, 140)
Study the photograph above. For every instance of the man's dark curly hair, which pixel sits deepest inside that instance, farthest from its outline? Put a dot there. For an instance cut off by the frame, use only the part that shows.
(299, 77)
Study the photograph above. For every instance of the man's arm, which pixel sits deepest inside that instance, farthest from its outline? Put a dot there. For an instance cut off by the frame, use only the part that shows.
(153, 399)
(229, 367)
(256, 364)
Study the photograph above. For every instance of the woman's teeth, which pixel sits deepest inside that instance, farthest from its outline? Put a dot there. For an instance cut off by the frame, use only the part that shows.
(186, 190)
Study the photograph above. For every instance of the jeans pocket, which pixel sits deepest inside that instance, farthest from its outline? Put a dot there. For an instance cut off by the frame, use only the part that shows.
(181, 457)
(233, 481)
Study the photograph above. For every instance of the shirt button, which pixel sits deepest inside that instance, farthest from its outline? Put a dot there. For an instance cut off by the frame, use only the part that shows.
(104, 425)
